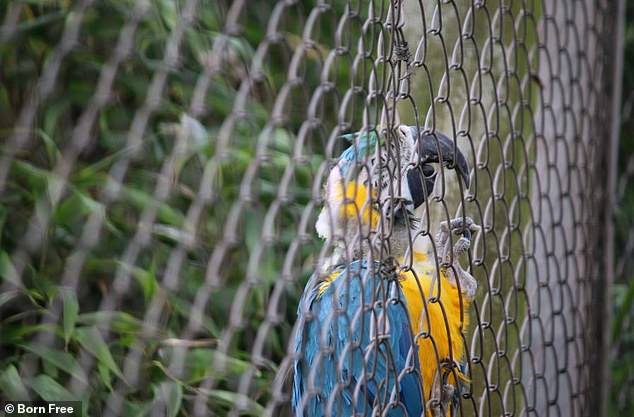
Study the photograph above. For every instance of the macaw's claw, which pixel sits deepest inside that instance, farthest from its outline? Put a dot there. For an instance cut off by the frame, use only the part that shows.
(463, 227)
(462, 245)
(442, 394)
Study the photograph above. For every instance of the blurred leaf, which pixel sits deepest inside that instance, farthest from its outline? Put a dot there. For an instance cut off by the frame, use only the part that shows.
(93, 174)
(62, 360)
(253, 231)
(146, 279)
(77, 205)
(167, 11)
(624, 307)
(136, 409)
(7, 270)
(51, 148)
(173, 233)
(7, 296)
(245, 404)
(249, 406)
(40, 20)
(49, 390)
(17, 334)
(34, 176)
(90, 339)
(201, 363)
(295, 40)
(183, 308)
(104, 374)
(140, 200)
(49, 126)
(71, 311)
(117, 321)
(171, 395)
(51, 370)
(11, 384)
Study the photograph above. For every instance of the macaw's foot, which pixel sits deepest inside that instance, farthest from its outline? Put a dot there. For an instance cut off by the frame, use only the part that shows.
(448, 255)
(461, 226)
(442, 396)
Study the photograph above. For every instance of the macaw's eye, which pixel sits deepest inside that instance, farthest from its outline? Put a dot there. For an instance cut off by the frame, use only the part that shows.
(421, 181)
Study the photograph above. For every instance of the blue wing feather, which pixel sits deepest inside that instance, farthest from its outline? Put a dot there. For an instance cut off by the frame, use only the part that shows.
(341, 366)
(365, 143)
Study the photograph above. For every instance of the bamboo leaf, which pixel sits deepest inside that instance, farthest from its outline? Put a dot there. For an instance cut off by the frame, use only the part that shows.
(170, 394)
(71, 312)
(62, 360)
(11, 384)
(8, 271)
(90, 339)
(50, 390)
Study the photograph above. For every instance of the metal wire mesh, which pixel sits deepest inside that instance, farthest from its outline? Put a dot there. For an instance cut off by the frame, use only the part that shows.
(164, 165)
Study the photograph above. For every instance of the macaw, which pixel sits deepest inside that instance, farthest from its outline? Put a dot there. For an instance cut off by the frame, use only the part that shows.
(384, 337)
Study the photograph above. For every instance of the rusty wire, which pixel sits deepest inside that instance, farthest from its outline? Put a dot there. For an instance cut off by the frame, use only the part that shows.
(519, 88)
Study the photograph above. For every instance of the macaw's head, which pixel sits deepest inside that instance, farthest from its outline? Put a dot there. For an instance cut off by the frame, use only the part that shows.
(378, 186)
(421, 157)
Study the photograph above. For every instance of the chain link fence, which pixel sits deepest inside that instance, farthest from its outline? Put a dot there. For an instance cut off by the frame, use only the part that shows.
(194, 193)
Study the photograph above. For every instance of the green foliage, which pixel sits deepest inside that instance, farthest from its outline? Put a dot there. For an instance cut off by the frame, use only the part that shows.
(622, 352)
(88, 338)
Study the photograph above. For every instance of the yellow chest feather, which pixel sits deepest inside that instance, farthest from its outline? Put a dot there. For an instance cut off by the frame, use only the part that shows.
(438, 316)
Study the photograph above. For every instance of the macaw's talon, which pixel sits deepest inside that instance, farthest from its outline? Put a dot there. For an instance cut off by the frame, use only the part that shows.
(435, 407)
(462, 245)
(388, 267)
(461, 226)
(438, 411)
(448, 255)
(461, 223)
(441, 395)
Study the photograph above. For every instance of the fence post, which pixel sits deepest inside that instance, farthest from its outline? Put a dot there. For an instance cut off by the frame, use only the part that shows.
(612, 167)
(571, 267)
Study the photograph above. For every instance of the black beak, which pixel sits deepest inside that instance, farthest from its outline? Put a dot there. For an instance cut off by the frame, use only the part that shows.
(438, 147)
(432, 148)
(421, 180)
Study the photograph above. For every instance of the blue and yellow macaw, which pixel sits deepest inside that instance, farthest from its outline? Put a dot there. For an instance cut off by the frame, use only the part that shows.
(369, 339)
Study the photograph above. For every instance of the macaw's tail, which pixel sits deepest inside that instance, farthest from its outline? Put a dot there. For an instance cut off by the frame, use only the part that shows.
(354, 347)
